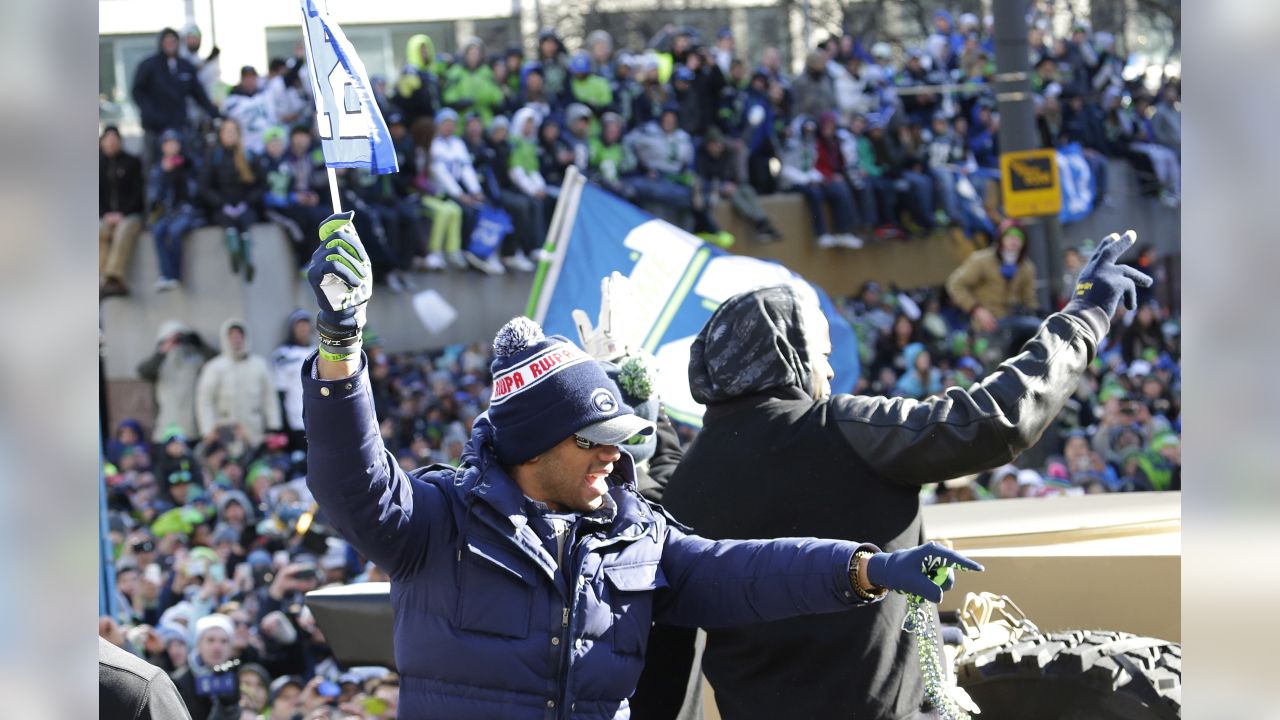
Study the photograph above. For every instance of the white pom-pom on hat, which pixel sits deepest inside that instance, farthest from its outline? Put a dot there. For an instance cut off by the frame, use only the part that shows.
(514, 337)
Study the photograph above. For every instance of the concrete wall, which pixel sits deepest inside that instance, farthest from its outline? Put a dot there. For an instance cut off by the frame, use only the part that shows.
(211, 294)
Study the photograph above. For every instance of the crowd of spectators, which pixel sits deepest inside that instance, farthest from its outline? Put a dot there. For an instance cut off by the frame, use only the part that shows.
(893, 142)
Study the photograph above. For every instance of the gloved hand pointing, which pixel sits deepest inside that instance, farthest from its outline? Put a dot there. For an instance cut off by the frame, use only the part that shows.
(913, 570)
(1102, 283)
(342, 280)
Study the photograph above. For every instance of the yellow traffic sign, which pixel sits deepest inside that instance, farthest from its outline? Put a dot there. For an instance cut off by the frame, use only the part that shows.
(1029, 183)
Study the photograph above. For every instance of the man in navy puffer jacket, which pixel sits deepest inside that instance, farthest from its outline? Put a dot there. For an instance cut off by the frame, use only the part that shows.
(524, 582)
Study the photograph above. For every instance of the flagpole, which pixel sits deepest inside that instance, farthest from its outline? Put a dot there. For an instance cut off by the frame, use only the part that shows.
(315, 94)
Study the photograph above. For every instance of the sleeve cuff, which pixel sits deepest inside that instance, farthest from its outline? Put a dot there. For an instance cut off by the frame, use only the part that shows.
(1092, 316)
(340, 389)
(844, 579)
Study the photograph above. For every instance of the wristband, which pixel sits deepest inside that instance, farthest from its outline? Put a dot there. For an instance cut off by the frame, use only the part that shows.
(868, 595)
(337, 357)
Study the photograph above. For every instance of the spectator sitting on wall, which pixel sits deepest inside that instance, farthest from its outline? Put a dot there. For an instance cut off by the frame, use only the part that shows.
(527, 212)
(454, 173)
(120, 208)
(293, 182)
(231, 191)
(801, 173)
(171, 200)
(719, 175)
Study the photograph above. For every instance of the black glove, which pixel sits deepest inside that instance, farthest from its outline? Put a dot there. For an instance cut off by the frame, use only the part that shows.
(1102, 283)
(342, 280)
(918, 570)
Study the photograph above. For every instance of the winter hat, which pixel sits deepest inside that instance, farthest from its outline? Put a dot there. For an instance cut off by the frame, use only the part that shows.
(216, 621)
(577, 111)
(446, 114)
(546, 389)
(636, 376)
(581, 63)
(178, 615)
(256, 669)
(275, 132)
(284, 681)
(169, 633)
(499, 122)
(170, 134)
(1027, 476)
(999, 473)
(683, 73)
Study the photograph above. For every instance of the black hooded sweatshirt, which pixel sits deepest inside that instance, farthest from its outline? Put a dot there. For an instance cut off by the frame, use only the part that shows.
(773, 462)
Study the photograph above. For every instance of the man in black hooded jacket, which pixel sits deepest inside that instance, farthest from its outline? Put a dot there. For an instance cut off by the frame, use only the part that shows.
(161, 85)
(779, 456)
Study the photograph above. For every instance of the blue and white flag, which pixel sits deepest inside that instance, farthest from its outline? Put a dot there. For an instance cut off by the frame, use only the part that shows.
(352, 131)
(677, 281)
(1078, 183)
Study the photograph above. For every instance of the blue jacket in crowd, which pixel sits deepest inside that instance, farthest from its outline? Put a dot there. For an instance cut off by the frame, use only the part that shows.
(487, 623)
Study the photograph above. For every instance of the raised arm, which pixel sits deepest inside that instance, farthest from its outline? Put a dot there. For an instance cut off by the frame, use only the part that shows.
(962, 432)
(388, 516)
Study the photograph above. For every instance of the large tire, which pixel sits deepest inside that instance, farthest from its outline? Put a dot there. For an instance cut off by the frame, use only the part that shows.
(1076, 675)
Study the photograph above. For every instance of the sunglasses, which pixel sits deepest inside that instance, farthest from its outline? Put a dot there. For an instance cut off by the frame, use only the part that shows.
(586, 444)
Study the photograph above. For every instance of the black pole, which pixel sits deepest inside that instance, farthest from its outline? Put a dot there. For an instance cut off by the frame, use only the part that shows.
(1018, 132)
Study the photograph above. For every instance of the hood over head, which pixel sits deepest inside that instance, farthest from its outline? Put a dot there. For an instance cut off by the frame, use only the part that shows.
(225, 331)
(521, 117)
(413, 52)
(754, 342)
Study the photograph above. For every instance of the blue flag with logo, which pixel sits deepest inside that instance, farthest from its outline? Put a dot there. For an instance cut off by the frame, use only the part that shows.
(677, 281)
(352, 131)
(1078, 183)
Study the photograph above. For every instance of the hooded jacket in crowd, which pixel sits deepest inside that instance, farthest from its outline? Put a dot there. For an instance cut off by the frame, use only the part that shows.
(237, 388)
(175, 373)
(418, 88)
(161, 86)
(772, 461)
(980, 281)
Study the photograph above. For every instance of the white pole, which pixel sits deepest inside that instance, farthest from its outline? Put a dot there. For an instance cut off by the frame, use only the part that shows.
(315, 92)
